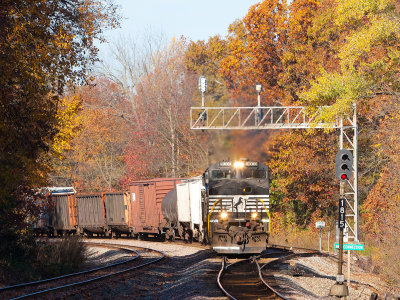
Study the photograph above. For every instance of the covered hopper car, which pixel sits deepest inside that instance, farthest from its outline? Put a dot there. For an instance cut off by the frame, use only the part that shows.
(182, 211)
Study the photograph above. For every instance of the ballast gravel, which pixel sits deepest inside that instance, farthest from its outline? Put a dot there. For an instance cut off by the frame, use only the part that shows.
(169, 248)
(190, 270)
(101, 256)
(321, 275)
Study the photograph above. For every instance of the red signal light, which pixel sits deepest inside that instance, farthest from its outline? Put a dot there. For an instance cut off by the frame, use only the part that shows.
(343, 176)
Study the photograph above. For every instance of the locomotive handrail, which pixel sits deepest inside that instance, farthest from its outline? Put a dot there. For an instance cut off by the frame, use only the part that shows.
(269, 215)
(209, 215)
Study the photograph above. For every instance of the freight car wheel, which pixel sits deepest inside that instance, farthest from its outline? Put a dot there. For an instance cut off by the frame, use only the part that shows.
(170, 234)
(188, 237)
(161, 237)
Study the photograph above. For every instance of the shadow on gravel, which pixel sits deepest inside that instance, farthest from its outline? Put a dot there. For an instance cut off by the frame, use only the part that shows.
(184, 277)
(290, 288)
(106, 258)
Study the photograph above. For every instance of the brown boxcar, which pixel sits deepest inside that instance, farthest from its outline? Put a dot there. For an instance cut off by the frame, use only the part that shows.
(119, 214)
(64, 218)
(91, 214)
(146, 199)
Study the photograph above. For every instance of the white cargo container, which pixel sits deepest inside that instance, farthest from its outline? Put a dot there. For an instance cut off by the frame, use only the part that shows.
(195, 188)
(181, 208)
(183, 202)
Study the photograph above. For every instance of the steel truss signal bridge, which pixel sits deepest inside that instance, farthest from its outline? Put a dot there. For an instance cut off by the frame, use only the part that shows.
(289, 117)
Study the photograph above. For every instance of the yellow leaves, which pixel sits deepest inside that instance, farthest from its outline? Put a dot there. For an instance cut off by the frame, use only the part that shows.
(68, 124)
(369, 45)
(381, 30)
(355, 10)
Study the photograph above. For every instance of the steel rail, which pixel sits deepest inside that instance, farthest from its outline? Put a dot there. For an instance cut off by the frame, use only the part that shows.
(97, 278)
(260, 275)
(21, 285)
(224, 267)
(220, 273)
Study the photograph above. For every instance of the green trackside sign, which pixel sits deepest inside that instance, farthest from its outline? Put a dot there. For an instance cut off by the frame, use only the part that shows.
(357, 247)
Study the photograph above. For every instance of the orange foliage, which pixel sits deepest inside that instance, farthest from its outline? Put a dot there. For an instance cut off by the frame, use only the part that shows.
(254, 50)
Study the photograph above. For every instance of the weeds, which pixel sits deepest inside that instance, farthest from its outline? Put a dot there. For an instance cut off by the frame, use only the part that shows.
(39, 260)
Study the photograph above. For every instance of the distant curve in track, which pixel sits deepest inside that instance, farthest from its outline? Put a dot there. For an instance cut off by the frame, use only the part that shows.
(11, 291)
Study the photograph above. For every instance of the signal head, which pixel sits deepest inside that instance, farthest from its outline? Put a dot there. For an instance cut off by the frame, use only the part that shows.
(344, 164)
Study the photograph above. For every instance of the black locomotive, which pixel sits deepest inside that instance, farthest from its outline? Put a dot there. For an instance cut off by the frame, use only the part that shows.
(236, 206)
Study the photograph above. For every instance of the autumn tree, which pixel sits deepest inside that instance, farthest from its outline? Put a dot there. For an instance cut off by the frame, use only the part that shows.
(164, 98)
(367, 75)
(204, 58)
(254, 50)
(43, 46)
(95, 159)
(131, 59)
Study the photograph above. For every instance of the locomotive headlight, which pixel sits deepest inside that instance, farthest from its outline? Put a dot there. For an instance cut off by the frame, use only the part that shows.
(238, 164)
(224, 215)
(254, 215)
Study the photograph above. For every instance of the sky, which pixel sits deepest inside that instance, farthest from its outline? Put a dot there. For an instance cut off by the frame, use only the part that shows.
(194, 19)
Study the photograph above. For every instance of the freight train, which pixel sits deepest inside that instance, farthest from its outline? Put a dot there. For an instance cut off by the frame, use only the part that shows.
(226, 207)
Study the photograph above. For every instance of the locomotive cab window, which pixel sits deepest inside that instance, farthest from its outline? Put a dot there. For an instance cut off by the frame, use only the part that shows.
(222, 174)
(249, 173)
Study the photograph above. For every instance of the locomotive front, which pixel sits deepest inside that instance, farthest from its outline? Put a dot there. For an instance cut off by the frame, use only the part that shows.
(237, 206)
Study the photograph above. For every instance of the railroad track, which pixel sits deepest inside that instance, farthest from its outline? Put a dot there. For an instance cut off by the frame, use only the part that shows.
(251, 279)
(51, 286)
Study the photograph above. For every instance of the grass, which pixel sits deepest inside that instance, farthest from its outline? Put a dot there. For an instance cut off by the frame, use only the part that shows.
(40, 260)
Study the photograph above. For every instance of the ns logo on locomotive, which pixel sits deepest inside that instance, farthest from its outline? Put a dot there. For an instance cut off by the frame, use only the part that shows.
(236, 206)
